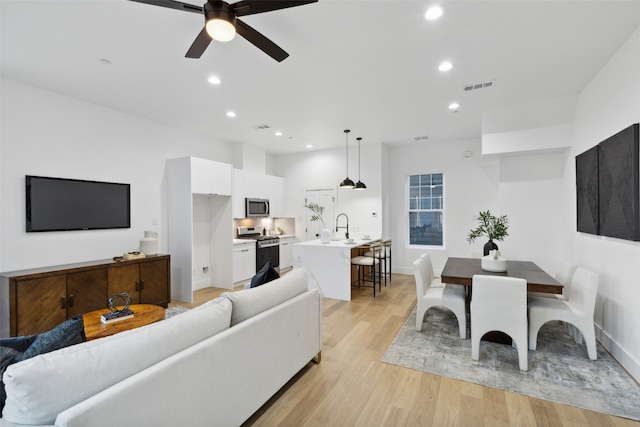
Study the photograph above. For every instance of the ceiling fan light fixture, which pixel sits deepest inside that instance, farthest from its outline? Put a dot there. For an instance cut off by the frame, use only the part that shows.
(220, 21)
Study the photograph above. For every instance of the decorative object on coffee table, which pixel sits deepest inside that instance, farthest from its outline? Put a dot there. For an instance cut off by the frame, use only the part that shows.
(493, 227)
(116, 313)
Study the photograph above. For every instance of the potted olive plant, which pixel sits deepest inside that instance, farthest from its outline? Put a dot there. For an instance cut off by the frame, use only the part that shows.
(492, 227)
(318, 210)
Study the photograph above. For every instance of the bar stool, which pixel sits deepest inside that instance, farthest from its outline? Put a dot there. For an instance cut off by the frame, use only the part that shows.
(384, 254)
(371, 261)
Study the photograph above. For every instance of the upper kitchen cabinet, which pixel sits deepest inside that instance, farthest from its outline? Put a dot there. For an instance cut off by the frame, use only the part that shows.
(210, 177)
(258, 186)
(255, 185)
(275, 193)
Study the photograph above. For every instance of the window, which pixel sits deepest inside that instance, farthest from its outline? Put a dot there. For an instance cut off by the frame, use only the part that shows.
(426, 209)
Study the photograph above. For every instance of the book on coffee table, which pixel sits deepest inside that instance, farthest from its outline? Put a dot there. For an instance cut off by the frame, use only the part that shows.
(114, 316)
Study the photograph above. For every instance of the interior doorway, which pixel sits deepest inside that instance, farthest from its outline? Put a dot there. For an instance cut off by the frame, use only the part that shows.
(325, 198)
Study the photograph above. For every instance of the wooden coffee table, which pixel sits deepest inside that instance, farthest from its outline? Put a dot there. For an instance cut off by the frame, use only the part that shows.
(143, 314)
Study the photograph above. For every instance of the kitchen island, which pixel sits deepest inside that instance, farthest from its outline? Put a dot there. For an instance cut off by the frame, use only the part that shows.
(328, 265)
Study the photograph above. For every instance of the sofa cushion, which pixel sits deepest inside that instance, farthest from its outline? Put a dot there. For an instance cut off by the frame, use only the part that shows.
(249, 302)
(266, 274)
(13, 350)
(41, 387)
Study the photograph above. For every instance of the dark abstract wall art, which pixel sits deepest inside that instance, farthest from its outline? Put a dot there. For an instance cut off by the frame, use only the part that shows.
(587, 191)
(619, 185)
(608, 187)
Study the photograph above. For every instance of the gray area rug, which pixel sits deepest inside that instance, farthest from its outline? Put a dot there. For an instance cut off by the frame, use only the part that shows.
(559, 369)
(172, 311)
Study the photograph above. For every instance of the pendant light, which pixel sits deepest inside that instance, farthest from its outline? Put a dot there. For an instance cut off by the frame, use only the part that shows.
(359, 185)
(347, 183)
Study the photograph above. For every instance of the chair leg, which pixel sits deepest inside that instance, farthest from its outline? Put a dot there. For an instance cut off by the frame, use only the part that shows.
(521, 345)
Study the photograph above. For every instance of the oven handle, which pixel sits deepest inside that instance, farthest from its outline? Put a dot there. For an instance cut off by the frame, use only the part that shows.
(269, 245)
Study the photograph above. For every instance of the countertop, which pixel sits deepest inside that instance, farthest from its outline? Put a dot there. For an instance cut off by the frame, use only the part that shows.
(339, 244)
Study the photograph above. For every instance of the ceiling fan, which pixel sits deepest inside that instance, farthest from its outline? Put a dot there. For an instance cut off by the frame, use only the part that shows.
(221, 22)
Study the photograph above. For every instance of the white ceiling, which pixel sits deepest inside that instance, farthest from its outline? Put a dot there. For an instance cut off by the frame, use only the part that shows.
(370, 66)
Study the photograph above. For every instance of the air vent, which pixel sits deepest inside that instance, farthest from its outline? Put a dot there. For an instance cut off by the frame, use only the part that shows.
(477, 86)
(263, 126)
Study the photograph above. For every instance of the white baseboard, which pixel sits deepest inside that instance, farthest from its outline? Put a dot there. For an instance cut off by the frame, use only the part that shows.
(631, 364)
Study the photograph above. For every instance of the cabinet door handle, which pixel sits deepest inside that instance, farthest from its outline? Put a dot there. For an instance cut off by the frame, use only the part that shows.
(141, 284)
(63, 302)
(137, 286)
(71, 300)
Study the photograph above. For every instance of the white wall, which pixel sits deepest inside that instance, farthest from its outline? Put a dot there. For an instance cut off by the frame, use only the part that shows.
(610, 103)
(326, 169)
(471, 185)
(44, 133)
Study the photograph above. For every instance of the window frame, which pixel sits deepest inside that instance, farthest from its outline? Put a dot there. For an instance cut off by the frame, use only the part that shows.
(408, 211)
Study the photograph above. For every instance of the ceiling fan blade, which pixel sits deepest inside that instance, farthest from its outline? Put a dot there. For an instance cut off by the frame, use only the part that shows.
(199, 45)
(251, 7)
(173, 5)
(260, 41)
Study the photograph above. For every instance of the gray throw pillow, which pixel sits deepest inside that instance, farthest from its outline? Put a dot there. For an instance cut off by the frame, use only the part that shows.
(13, 350)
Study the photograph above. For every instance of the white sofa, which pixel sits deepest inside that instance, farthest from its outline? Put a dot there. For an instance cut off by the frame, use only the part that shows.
(213, 365)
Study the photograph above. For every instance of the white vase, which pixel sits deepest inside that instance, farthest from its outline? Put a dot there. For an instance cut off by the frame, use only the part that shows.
(149, 245)
(325, 235)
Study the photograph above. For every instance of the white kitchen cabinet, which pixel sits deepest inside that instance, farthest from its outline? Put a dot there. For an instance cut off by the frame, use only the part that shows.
(286, 252)
(244, 261)
(275, 193)
(199, 198)
(255, 185)
(210, 177)
(238, 205)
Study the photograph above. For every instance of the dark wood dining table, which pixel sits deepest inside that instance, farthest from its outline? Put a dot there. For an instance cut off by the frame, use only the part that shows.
(461, 271)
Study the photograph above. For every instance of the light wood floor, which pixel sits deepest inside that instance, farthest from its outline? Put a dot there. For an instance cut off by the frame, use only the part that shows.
(352, 387)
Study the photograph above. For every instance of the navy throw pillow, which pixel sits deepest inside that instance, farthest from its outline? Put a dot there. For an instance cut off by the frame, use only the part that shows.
(266, 274)
(13, 350)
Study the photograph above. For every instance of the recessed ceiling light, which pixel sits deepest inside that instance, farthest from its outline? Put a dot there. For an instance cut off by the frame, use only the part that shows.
(278, 133)
(433, 13)
(214, 80)
(309, 146)
(445, 66)
(454, 106)
(231, 114)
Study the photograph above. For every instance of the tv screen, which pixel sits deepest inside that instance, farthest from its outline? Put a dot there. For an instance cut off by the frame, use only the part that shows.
(59, 204)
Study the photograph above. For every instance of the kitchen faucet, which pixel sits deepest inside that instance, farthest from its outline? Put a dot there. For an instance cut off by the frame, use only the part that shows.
(347, 227)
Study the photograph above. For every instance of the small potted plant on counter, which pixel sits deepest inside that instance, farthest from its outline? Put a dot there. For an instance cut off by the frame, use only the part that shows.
(325, 234)
(493, 227)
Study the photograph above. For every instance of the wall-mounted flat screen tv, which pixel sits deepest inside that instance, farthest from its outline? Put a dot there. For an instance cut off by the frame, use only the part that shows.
(60, 204)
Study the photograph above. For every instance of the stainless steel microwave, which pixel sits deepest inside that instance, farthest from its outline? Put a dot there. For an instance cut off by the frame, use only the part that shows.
(256, 208)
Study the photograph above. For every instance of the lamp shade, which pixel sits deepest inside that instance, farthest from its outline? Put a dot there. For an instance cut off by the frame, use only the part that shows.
(347, 183)
(360, 186)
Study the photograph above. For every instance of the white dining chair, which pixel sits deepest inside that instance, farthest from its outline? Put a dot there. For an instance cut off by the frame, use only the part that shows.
(428, 297)
(436, 282)
(499, 303)
(578, 311)
(564, 274)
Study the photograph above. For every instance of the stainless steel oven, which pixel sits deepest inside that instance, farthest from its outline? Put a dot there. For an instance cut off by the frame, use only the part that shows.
(256, 208)
(268, 249)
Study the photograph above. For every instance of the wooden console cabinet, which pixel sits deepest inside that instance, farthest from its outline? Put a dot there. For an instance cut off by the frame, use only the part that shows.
(41, 298)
